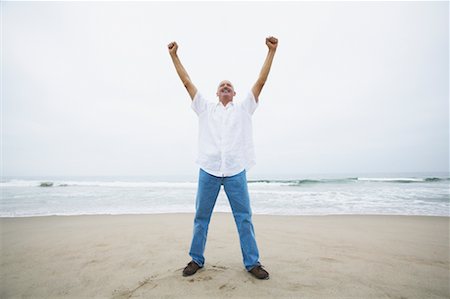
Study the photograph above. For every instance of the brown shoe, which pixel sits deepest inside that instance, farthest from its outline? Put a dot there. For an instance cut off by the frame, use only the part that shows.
(259, 272)
(191, 268)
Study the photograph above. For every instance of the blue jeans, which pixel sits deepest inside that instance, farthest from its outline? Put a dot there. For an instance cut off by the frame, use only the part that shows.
(236, 190)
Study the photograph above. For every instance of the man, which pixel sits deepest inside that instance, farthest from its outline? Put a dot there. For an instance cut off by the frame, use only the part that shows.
(225, 154)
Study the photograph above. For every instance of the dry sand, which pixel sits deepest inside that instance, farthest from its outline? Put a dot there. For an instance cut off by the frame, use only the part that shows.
(142, 256)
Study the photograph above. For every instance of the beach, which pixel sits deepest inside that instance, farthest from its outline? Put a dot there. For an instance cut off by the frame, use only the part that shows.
(142, 256)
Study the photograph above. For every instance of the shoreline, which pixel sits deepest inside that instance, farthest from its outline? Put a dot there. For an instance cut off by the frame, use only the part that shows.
(142, 255)
(214, 212)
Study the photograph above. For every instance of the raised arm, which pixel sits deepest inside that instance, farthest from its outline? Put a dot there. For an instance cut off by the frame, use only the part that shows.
(192, 90)
(272, 44)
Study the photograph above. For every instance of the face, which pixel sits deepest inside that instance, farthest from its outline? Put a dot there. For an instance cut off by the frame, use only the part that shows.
(225, 91)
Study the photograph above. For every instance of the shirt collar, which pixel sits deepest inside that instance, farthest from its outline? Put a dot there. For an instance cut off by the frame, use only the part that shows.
(219, 103)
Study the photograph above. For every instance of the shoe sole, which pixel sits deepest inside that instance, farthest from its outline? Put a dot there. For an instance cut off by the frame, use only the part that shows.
(187, 275)
(264, 278)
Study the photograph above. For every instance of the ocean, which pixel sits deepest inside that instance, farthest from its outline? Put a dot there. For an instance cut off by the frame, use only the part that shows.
(418, 194)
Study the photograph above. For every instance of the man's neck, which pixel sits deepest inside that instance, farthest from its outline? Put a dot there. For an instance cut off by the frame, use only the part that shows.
(225, 101)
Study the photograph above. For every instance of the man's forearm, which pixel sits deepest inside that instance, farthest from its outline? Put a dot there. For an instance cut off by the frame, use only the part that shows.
(272, 44)
(180, 69)
(192, 90)
(266, 67)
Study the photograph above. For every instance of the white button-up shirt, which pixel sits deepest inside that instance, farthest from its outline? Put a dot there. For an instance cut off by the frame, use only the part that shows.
(225, 143)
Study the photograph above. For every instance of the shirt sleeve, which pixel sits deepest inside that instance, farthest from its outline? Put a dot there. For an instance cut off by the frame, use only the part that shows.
(199, 103)
(249, 104)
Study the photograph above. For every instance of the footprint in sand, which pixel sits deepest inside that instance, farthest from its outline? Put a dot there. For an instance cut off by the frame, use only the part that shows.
(227, 287)
(329, 259)
(128, 293)
(218, 268)
(200, 278)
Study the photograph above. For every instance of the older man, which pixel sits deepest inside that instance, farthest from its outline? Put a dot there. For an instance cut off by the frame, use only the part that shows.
(225, 154)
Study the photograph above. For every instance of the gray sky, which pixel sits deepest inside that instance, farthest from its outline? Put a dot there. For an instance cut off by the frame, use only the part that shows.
(89, 88)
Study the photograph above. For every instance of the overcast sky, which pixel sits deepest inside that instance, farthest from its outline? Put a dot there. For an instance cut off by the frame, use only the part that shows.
(90, 89)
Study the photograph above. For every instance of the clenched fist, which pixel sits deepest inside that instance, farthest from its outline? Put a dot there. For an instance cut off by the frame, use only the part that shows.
(272, 43)
(173, 47)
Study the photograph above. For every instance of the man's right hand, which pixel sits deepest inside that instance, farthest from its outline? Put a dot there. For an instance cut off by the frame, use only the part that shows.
(272, 43)
(173, 47)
